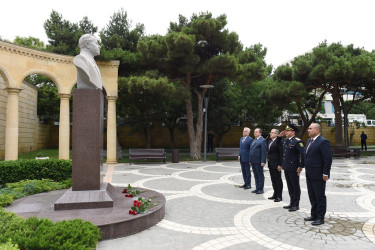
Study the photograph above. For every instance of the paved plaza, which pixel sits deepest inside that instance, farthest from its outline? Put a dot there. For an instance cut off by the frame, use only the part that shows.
(206, 210)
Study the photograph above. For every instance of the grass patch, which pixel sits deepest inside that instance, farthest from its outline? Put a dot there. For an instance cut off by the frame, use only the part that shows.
(52, 153)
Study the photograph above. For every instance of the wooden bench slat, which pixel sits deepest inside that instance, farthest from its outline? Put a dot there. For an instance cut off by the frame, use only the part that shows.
(226, 152)
(149, 153)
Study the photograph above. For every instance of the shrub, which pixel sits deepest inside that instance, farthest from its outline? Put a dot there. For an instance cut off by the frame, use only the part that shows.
(34, 233)
(21, 189)
(14, 171)
(9, 246)
(5, 200)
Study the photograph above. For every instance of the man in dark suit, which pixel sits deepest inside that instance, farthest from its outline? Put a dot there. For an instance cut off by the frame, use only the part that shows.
(258, 153)
(292, 164)
(363, 140)
(275, 157)
(243, 157)
(318, 160)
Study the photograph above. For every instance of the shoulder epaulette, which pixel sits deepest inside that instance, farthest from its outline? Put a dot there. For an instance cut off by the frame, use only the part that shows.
(298, 139)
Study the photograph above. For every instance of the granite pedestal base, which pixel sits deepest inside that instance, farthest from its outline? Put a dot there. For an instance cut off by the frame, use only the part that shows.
(86, 199)
(113, 222)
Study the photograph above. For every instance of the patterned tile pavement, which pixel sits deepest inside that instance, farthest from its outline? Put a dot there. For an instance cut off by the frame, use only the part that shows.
(206, 210)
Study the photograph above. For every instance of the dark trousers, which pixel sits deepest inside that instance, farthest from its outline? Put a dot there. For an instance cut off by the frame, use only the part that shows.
(246, 174)
(210, 146)
(317, 197)
(277, 182)
(258, 176)
(292, 181)
(363, 143)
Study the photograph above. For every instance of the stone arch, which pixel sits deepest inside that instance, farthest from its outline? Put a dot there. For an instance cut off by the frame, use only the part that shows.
(6, 77)
(17, 62)
(53, 78)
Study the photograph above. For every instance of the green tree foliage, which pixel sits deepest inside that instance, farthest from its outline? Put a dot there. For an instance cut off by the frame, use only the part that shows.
(120, 43)
(366, 107)
(334, 69)
(291, 95)
(195, 52)
(337, 69)
(224, 108)
(63, 35)
(141, 100)
(118, 34)
(48, 106)
(30, 42)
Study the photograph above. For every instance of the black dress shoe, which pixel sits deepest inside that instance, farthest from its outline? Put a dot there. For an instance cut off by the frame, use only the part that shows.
(287, 207)
(272, 197)
(294, 208)
(318, 222)
(309, 218)
(247, 187)
(242, 186)
(254, 191)
(259, 192)
(278, 200)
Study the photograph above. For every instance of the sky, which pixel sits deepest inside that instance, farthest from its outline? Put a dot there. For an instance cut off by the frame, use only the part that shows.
(287, 28)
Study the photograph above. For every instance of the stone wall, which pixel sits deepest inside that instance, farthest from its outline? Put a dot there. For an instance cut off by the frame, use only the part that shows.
(32, 134)
(3, 111)
(28, 120)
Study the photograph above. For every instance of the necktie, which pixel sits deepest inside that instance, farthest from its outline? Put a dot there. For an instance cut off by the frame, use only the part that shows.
(312, 140)
(269, 146)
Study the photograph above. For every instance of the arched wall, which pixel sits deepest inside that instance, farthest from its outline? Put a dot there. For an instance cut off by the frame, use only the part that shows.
(17, 62)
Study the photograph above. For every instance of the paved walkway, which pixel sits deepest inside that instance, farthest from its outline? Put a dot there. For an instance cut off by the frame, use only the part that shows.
(205, 209)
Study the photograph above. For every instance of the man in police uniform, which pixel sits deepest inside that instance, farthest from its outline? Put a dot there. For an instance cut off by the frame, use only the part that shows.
(292, 164)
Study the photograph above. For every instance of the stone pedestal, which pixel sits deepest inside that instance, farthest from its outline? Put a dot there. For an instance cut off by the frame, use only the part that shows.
(87, 139)
(88, 190)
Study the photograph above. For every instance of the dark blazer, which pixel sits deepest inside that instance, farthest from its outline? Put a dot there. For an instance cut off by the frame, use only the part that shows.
(318, 158)
(258, 151)
(275, 153)
(293, 154)
(245, 148)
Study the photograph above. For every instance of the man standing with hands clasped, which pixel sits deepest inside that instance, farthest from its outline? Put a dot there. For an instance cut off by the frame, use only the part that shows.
(318, 160)
(243, 157)
(275, 157)
(258, 152)
(292, 164)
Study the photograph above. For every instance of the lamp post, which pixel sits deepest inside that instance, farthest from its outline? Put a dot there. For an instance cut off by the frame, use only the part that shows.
(205, 110)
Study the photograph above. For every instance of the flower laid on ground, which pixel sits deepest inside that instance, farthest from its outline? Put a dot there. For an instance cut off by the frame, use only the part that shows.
(141, 205)
(129, 192)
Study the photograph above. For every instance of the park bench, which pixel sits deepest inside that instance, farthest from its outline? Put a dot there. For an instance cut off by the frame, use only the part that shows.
(149, 153)
(226, 152)
(344, 151)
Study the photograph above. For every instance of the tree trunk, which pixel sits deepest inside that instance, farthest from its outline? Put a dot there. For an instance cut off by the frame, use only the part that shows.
(147, 131)
(195, 134)
(338, 118)
(171, 134)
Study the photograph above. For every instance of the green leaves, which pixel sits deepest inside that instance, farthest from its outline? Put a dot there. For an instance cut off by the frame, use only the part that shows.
(63, 35)
(34, 233)
(30, 42)
(14, 171)
(118, 34)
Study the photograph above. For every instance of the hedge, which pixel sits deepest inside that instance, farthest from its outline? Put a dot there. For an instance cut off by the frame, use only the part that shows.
(14, 171)
(34, 233)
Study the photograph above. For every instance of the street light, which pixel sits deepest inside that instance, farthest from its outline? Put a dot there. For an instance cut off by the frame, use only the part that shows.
(205, 110)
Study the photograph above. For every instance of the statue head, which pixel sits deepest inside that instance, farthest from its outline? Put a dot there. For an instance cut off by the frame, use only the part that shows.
(89, 44)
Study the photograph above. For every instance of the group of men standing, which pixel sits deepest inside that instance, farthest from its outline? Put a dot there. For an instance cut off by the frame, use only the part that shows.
(291, 156)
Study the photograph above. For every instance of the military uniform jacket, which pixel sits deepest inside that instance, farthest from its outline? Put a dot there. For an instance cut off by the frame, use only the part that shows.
(293, 154)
